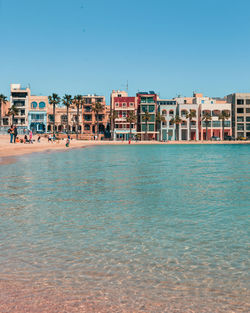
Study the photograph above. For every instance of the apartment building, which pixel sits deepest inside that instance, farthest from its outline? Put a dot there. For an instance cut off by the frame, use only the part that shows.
(168, 109)
(147, 102)
(240, 114)
(122, 104)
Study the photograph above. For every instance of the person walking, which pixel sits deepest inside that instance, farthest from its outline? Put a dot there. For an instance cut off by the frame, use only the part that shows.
(15, 134)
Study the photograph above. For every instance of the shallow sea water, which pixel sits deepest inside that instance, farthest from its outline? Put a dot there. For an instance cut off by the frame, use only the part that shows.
(126, 229)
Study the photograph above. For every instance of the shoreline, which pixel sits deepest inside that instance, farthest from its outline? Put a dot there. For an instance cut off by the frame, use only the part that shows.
(9, 152)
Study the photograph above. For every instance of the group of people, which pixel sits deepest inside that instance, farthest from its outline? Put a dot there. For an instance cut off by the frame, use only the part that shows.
(15, 139)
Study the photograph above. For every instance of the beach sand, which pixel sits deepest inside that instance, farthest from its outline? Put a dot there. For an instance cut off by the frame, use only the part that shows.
(9, 151)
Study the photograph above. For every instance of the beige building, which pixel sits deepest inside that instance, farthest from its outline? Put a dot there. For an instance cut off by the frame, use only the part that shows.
(240, 114)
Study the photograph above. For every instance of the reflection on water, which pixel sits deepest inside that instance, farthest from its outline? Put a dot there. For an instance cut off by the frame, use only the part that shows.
(126, 229)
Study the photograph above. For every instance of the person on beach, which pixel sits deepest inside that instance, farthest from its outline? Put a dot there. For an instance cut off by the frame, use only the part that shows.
(25, 140)
(49, 139)
(11, 132)
(39, 138)
(15, 134)
(30, 137)
(68, 141)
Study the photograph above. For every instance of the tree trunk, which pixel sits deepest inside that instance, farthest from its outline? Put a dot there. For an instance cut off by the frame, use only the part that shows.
(223, 130)
(190, 130)
(77, 121)
(0, 113)
(113, 128)
(97, 124)
(130, 131)
(206, 131)
(54, 119)
(67, 120)
(146, 131)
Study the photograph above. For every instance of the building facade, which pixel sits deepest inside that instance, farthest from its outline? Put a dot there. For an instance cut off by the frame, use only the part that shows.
(167, 109)
(122, 104)
(240, 114)
(147, 102)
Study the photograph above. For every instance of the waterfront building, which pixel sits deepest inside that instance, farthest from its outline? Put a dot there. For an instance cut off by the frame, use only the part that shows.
(147, 102)
(184, 106)
(37, 113)
(121, 103)
(167, 108)
(240, 114)
(19, 98)
(214, 107)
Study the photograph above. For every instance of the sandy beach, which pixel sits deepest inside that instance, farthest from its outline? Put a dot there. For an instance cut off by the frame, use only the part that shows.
(8, 151)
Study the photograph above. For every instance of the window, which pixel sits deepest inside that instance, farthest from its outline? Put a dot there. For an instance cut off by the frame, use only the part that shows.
(51, 117)
(184, 124)
(183, 113)
(124, 104)
(240, 110)
(5, 121)
(64, 119)
(34, 105)
(212, 102)
(240, 118)
(117, 104)
(206, 124)
(87, 109)
(22, 120)
(240, 127)
(22, 112)
(202, 101)
(131, 104)
(248, 119)
(248, 101)
(227, 124)
(19, 103)
(151, 108)
(247, 126)
(151, 127)
(240, 101)
(124, 114)
(116, 125)
(164, 112)
(247, 110)
(171, 112)
(87, 117)
(216, 123)
(87, 127)
(42, 105)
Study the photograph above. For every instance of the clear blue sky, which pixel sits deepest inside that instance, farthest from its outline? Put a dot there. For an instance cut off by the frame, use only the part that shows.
(94, 46)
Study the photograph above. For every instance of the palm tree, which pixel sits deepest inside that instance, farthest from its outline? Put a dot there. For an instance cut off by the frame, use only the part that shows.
(3, 100)
(131, 118)
(190, 116)
(206, 117)
(113, 116)
(159, 119)
(97, 108)
(79, 101)
(13, 110)
(224, 115)
(67, 101)
(146, 117)
(177, 121)
(54, 100)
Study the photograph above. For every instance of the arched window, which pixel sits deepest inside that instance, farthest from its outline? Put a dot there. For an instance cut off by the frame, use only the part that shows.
(164, 112)
(42, 105)
(171, 112)
(33, 105)
(86, 127)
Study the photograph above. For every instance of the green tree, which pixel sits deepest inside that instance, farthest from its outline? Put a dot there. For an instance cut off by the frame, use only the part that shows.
(131, 118)
(54, 99)
(67, 101)
(146, 118)
(3, 100)
(113, 115)
(13, 110)
(177, 121)
(78, 101)
(224, 115)
(206, 117)
(190, 116)
(97, 108)
(159, 120)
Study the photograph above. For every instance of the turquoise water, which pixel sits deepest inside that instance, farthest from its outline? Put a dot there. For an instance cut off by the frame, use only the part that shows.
(127, 229)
